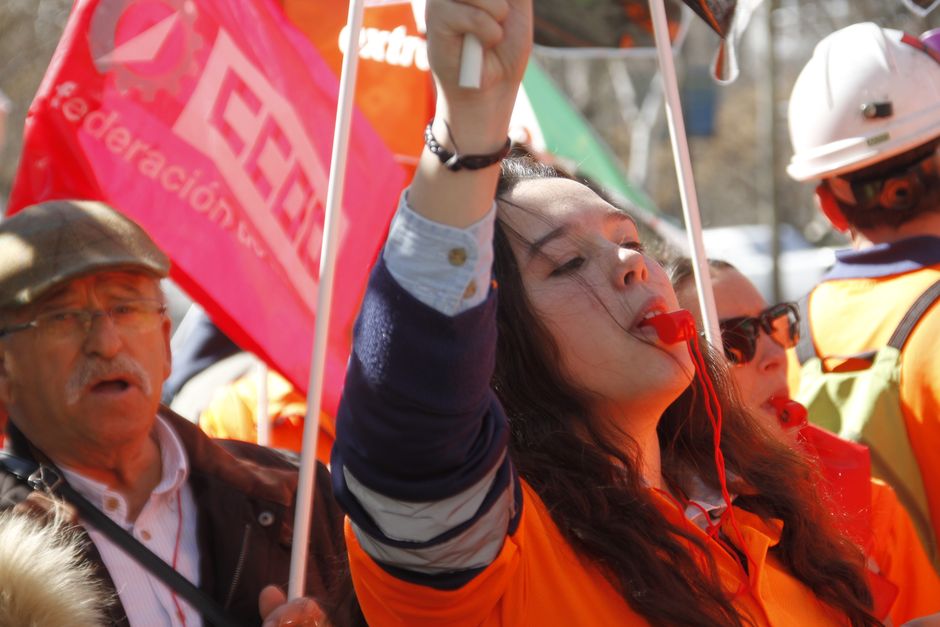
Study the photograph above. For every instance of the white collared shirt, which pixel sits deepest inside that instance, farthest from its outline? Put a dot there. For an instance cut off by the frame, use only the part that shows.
(168, 518)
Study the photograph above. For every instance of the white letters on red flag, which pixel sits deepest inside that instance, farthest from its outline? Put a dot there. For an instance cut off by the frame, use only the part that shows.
(210, 123)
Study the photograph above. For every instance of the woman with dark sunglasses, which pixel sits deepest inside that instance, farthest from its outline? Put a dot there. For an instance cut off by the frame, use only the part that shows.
(740, 334)
(755, 338)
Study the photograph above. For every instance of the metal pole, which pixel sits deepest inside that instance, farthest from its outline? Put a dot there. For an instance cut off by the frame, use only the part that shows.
(770, 148)
(305, 487)
(263, 421)
(680, 152)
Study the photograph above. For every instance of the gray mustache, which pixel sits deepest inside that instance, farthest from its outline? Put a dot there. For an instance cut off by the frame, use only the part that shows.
(93, 369)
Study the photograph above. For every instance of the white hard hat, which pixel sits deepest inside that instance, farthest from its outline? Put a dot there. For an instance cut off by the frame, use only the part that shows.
(867, 94)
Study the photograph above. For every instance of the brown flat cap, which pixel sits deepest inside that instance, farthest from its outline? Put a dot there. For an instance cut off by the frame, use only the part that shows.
(52, 242)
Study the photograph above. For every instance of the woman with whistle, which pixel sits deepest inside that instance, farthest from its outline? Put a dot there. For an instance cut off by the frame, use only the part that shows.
(517, 443)
(755, 337)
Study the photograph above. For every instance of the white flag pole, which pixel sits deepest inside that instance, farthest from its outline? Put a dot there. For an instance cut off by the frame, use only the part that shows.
(680, 152)
(263, 420)
(471, 63)
(471, 52)
(304, 508)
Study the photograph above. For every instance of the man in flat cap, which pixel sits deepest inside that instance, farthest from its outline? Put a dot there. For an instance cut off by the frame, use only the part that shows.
(84, 351)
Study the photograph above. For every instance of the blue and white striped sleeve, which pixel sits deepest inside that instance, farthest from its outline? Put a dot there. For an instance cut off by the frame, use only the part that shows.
(420, 461)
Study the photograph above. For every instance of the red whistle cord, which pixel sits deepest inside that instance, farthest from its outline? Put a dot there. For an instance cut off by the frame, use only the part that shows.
(679, 326)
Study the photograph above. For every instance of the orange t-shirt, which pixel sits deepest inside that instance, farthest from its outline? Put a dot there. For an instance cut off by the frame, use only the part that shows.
(538, 579)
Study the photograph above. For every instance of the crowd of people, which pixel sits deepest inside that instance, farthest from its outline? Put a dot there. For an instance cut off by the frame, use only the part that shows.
(532, 430)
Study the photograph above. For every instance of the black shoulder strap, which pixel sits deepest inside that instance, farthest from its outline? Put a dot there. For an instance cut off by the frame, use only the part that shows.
(913, 315)
(41, 476)
(804, 347)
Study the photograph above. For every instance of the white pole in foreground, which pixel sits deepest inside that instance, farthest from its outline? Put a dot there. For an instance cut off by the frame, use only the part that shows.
(334, 197)
(471, 63)
(680, 152)
(470, 73)
(263, 420)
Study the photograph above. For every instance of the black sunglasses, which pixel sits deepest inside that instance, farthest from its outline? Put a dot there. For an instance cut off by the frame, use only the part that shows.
(739, 335)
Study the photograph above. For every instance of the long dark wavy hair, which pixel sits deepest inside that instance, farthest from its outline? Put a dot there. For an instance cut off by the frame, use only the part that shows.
(559, 447)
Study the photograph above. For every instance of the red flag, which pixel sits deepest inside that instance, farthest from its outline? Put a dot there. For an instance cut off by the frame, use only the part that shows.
(210, 123)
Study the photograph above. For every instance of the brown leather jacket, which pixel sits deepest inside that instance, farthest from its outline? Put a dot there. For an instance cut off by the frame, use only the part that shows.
(245, 499)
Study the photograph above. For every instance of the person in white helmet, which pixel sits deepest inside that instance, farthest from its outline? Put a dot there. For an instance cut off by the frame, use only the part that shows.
(864, 120)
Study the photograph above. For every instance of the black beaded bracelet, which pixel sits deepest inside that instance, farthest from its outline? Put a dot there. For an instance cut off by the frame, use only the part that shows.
(454, 161)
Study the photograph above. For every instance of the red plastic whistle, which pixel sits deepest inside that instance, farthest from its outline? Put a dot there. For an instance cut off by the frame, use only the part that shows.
(673, 327)
(789, 412)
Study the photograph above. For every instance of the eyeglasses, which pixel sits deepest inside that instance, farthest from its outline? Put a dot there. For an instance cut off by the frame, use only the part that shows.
(133, 315)
(739, 335)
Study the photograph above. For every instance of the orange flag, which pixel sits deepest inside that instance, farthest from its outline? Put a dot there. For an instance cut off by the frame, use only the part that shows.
(394, 88)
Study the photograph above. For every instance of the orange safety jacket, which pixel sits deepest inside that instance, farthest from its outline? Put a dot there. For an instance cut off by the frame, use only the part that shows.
(855, 310)
(538, 579)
